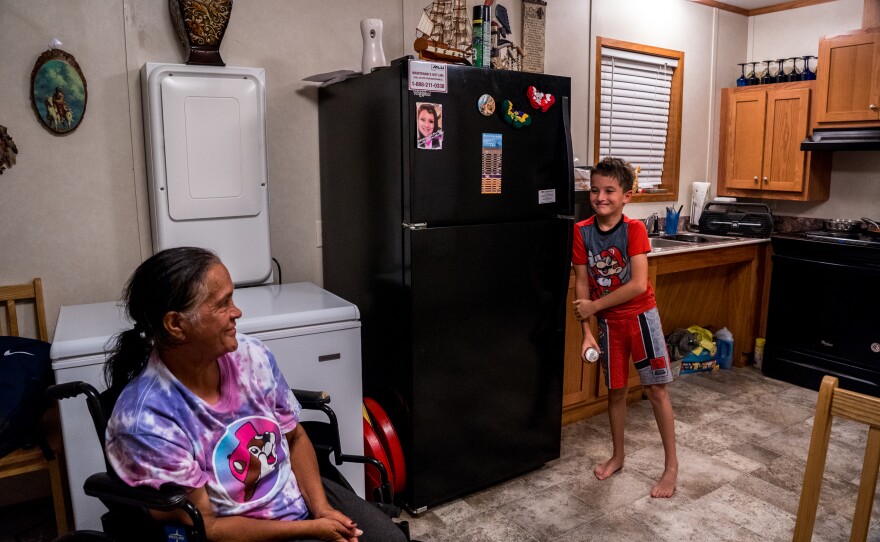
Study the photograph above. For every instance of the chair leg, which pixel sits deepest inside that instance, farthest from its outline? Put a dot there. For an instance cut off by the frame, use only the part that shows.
(809, 502)
(58, 496)
(867, 487)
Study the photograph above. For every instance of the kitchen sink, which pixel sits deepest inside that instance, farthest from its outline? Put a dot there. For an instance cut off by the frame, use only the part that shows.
(663, 242)
(688, 238)
(684, 240)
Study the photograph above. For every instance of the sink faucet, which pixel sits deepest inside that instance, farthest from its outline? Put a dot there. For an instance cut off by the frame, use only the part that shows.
(652, 224)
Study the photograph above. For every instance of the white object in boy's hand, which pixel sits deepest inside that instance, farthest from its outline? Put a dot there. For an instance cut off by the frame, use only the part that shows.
(591, 355)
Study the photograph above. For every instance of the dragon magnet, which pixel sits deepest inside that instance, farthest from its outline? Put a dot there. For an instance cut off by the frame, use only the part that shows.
(517, 119)
(540, 100)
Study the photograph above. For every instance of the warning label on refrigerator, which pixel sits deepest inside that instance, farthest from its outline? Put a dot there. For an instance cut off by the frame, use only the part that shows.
(547, 196)
(491, 177)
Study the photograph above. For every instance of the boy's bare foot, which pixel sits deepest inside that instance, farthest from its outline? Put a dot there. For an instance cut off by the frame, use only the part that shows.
(665, 486)
(608, 468)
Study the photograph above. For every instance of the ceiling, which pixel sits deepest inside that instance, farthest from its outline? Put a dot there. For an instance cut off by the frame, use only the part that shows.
(752, 4)
(759, 7)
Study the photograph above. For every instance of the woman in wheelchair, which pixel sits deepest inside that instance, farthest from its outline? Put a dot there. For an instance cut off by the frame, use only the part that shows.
(208, 409)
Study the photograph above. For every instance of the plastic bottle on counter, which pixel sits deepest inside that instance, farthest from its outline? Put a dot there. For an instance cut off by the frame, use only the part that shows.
(759, 352)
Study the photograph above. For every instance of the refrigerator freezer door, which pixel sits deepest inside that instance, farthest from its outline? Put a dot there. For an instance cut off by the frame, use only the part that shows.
(487, 324)
(445, 186)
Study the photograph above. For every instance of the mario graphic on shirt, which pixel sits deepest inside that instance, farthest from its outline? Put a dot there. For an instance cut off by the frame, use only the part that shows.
(607, 269)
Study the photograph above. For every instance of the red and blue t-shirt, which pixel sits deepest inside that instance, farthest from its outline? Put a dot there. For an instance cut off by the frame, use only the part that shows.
(607, 257)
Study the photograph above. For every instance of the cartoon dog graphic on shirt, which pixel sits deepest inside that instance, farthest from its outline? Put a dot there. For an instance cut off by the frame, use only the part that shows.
(608, 266)
(253, 458)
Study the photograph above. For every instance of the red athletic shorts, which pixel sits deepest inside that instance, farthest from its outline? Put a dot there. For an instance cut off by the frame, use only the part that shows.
(640, 337)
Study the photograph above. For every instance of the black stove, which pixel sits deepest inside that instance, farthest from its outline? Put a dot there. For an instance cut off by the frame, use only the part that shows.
(847, 238)
(824, 310)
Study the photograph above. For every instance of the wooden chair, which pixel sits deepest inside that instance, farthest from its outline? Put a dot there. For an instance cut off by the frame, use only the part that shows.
(23, 460)
(832, 402)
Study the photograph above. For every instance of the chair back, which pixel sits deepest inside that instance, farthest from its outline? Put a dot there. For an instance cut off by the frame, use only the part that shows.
(836, 402)
(24, 292)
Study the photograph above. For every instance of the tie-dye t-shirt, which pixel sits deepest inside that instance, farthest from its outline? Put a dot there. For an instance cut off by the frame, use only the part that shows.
(161, 432)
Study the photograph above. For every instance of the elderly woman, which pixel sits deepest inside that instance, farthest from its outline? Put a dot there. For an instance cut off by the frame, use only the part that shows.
(208, 409)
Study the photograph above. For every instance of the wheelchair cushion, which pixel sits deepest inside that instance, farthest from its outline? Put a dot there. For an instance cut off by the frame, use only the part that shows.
(373, 448)
(386, 434)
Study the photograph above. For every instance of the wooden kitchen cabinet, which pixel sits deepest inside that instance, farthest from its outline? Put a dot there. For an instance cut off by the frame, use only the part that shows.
(848, 91)
(762, 128)
(584, 393)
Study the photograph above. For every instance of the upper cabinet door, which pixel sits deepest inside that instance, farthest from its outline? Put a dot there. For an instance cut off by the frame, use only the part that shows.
(787, 121)
(849, 79)
(743, 146)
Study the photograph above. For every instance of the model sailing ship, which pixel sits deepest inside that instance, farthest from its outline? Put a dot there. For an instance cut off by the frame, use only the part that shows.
(444, 32)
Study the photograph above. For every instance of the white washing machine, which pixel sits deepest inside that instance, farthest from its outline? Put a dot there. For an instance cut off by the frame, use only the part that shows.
(314, 335)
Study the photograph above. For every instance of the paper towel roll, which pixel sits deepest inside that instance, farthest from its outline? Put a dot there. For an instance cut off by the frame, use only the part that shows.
(699, 196)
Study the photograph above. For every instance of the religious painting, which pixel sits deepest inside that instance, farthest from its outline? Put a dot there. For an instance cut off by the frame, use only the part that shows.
(58, 91)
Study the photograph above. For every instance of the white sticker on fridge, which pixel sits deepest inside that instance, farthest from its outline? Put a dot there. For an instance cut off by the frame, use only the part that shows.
(427, 76)
(546, 196)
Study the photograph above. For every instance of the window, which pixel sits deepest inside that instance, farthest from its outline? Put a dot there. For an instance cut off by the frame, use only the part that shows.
(638, 112)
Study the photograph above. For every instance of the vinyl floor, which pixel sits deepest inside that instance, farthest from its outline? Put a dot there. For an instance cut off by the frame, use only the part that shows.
(742, 446)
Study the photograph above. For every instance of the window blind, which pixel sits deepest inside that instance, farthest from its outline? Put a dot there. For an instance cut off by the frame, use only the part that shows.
(634, 110)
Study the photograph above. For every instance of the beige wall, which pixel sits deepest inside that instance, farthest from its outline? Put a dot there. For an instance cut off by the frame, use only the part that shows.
(74, 209)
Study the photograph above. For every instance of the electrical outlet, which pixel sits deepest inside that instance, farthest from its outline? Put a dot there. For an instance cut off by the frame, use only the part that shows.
(319, 234)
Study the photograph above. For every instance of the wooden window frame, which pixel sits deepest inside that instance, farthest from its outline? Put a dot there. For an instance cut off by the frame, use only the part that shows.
(672, 159)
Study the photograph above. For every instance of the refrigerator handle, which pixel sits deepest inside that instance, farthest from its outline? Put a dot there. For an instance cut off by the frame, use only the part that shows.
(569, 154)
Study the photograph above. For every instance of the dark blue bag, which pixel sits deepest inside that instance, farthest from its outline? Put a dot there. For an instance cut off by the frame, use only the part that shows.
(25, 373)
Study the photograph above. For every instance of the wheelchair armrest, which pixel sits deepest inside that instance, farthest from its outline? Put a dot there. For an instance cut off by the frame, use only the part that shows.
(166, 498)
(103, 486)
(312, 400)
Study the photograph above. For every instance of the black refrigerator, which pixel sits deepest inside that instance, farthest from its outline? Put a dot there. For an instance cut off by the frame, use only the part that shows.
(458, 258)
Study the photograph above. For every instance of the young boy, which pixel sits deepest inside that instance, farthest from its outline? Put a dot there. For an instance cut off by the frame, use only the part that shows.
(611, 281)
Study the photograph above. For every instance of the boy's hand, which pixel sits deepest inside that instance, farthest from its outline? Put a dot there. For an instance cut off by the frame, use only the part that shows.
(583, 308)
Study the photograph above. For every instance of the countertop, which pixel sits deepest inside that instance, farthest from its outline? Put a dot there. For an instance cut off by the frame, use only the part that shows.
(716, 242)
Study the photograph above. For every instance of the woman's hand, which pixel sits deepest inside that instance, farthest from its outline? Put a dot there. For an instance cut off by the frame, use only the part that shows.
(334, 530)
(338, 525)
(583, 308)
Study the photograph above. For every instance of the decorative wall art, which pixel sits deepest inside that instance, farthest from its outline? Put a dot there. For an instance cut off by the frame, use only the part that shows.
(8, 150)
(200, 25)
(534, 21)
(58, 91)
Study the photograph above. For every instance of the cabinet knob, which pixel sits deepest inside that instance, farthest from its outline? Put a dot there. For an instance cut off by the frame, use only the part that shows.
(765, 180)
(756, 178)
(873, 107)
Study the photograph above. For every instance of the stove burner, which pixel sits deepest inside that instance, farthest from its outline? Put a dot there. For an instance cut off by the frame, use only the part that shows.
(842, 237)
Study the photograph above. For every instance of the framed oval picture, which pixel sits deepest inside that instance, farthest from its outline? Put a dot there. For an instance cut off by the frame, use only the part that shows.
(58, 91)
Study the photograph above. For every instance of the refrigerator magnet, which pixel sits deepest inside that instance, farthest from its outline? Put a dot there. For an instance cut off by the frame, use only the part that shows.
(491, 162)
(515, 118)
(429, 126)
(486, 105)
(540, 100)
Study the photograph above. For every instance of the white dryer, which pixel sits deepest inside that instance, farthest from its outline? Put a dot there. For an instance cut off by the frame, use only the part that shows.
(205, 134)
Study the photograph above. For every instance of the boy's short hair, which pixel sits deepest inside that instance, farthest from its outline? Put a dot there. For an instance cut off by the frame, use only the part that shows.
(616, 168)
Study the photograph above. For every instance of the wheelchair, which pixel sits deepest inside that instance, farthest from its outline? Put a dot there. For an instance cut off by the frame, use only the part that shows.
(128, 518)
